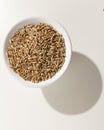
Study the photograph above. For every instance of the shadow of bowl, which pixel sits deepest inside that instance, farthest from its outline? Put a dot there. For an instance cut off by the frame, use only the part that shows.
(78, 89)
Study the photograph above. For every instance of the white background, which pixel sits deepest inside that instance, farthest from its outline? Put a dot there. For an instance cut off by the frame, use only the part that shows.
(24, 108)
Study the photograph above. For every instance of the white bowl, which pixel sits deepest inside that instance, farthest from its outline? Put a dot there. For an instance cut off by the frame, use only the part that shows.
(60, 29)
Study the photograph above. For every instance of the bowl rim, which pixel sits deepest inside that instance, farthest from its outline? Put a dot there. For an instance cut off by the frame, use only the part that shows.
(17, 26)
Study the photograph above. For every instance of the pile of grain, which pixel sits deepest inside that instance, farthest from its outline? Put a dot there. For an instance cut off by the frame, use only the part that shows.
(36, 52)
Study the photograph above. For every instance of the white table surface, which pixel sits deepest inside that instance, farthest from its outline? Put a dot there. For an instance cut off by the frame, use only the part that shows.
(76, 101)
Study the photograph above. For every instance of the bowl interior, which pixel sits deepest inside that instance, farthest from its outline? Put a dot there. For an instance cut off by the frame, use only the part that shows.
(60, 29)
